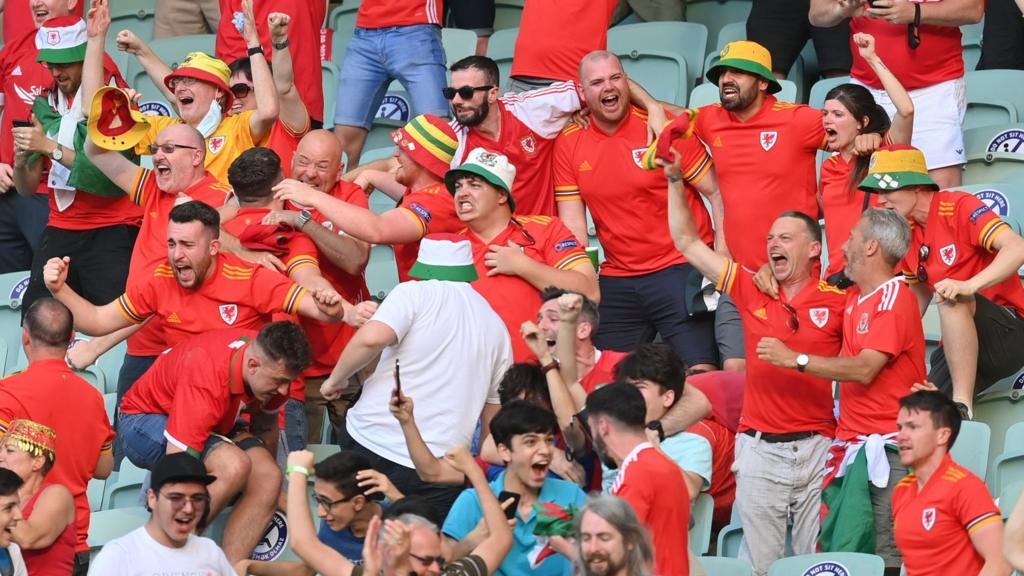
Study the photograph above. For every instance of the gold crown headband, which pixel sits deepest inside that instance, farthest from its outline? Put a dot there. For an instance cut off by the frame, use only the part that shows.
(33, 437)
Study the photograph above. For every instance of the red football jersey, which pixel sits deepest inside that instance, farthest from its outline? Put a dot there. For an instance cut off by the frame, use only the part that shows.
(655, 489)
(780, 400)
(199, 385)
(530, 122)
(629, 205)
(959, 235)
(284, 142)
(887, 320)
(307, 18)
(937, 59)
(151, 245)
(765, 166)
(236, 294)
(603, 371)
(301, 251)
(933, 525)
(555, 35)
(433, 209)
(389, 13)
(546, 240)
(723, 452)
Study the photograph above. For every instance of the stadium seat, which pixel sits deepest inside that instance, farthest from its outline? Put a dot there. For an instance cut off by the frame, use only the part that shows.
(376, 154)
(715, 14)
(731, 32)
(94, 492)
(729, 539)
(107, 525)
(707, 93)
(1000, 410)
(457, 44)
(135, 16)
(171, 51)
(994, 97)
(971, 447)
(507, 14)
(329, 72)
(1007, 500)
(663, 74)
(110, 403)
(932, 328)
(343, 21)
(12, 288)
(718, 566)
(994, 154)
(816, 99)
(381, 272)
(500, 48)
(381, 202)
(380, 134)
(1005, 198)
(1007, 472)
(321, 451)
(688, 39)
(970, 41)
(125, 490)
(841, 563)
(700, 534)
(110, 364)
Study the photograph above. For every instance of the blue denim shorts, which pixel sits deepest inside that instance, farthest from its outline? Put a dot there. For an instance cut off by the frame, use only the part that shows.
(141, 438)
(413, 55)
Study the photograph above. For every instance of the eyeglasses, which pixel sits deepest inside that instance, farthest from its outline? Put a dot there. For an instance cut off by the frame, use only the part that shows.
(428, 560)
(168, 148)
(793, 322)
(464, 92)
(328, 504)
(922, 257)
(241, 90)
(177, 500)
(183, 80)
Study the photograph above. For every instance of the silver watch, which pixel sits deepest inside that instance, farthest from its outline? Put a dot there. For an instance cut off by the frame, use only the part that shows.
(58, 153)
(304, 216)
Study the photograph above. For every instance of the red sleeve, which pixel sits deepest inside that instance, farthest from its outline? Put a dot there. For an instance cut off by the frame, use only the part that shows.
(636, 493)
(302, 252)
(103, 423)
(974, 506)
(273, 292)
(425, 205)
(564, 175)
(139, 300)
(696, 161)
(808, 121)
(561, 248)
(351, 193)
(982, 224)
(736, 281)
(144, 188)
(199, 403)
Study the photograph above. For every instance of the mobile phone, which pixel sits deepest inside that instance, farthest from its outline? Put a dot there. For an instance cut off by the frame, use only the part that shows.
(22, 124)
(398, 378)
(510, 512)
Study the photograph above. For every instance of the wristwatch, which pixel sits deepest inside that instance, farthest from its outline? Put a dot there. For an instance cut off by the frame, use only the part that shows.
(58, 153)
(304, 216)
(801, 362)
(657, 427)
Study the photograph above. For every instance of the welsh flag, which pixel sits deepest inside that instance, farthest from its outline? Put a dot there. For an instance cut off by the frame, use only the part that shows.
(553, 520)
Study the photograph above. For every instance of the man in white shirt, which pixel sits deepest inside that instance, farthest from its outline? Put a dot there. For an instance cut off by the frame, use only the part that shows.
(179, 501)
(453, 350)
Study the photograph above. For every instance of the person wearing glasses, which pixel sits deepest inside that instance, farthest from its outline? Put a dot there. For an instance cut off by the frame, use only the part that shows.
(965, 255)
(883, 354)
(787, 421)
(179, 501)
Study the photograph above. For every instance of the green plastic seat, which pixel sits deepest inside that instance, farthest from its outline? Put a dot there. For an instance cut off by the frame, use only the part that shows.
(124, 490)
(707, 93)
(1000, 410)
(718, 566)
(322, 451)
(731, 32)
(730, 538)
(329, 72)
(816, 99)
(850, 563)
(110, 403)
(994, 154)
(507, 14)
(994, 97)
(500, 48)
(110, 364)
(687, 39)
(971, 447)
(716, 14)
(457, 44)
(94, 492)
(12, 289)
(700, 534)
(107, 525)
(381, 272)
(663, 74)
(343, 21)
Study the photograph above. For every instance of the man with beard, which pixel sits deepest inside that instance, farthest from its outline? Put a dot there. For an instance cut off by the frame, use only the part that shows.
(650, 481)
(424, 151)
(611, 541)
(520, 126)
(597, 167)
(764, 150)
(180, 503)
(524, 435)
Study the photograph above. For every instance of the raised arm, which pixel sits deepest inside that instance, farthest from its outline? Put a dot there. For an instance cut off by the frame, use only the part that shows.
(1009, 249)
(120, 170)
(293, 111)
(317, 555)
(428, 467)
(684, 231)
(97, 26)
(495, 546)
(91, 319)
(155, 68)
(903, 122)
(708, 187)
(267, 107)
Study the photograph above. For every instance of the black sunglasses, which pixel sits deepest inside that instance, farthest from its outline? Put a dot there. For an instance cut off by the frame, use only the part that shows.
(241, 90)
(793, 322)
(464, 92)
(922, 257)
(168, 148)
(428, 560)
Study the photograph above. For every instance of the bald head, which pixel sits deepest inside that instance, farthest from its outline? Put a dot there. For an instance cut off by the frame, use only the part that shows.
(597, 57)
(49, 324)
(185, 135)
(317, 160)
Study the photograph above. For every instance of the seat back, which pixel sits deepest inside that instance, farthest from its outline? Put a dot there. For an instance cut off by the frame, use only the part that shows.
(688, 39)
(662, 74)
(821, 88)
(715, 14)
(329, 73)
(999, 410)
(107, 525)
(829, 563)
(12, 289)
(343, 21)
(507, 14)
(457, 44)
(124, 491)
(971, 447)
(700, 534)
(994, 97)
(707, 93)
(718, 566)
(731, 32)
(381, 272)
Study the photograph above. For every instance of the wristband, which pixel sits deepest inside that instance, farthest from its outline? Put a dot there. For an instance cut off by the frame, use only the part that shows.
(256, 50)
(675, 178)
(300, 469)
(281, 46)
(553, 365)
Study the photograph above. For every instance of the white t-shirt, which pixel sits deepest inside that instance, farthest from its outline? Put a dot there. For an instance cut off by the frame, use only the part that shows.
(17, 566)
(453, 350)
(138, 554)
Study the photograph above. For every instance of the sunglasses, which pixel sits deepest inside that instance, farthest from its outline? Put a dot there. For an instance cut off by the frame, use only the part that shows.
(922, 257)
(464, 92)
(168, 148)
(793, 322)
(241, 90)
(526, 234)
(428, 560)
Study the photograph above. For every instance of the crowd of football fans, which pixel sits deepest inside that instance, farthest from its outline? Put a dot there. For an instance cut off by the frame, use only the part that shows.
(618, 319)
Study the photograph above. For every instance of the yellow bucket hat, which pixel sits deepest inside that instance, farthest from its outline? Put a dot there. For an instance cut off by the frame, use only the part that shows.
(113, 123)
(202, 66)
(896, 167)
(747, 56)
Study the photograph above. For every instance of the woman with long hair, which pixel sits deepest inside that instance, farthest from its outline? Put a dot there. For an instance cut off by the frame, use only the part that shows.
(855, 125)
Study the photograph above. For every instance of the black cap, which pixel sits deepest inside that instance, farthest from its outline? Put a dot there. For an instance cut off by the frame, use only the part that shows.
(179, 467)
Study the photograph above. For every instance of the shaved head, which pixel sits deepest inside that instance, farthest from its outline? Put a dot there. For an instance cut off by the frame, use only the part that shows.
(317, 160)
(595, 57)
(183, 134)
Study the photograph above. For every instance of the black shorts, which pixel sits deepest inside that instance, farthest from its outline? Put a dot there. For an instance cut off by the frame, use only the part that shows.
(475, 15)
(782, 27)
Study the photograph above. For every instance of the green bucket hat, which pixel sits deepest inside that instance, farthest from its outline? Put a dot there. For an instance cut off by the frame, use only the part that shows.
(444, 257)
(62, 40)
(494, 168)
(896, 167)
(749, 57)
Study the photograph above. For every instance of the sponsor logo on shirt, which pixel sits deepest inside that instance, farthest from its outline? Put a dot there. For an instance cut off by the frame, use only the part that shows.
(768, 139)
(819, 316)
(928, 518)
(995, 200)
(948, 254)
(28, 96)
(229, 313)
(761, 313)
(585, 167)
(565, 245)
(394, 107)
(216, 144)
(862, 324)
(155, 107)
(529, 144)
(173, 318)
(420, 211)
(1008, 141)
(826, 569)
(274, 540)
(16, 71)
(638, 156)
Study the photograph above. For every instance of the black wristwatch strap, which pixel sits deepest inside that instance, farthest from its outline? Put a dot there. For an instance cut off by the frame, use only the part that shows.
(256, 50)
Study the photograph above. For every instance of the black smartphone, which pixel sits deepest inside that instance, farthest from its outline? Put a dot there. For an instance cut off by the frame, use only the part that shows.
(510, 512)
(398, 379)
(22, 124)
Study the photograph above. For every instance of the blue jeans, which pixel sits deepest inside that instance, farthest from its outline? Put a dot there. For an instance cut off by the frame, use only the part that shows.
(141, 438)
(413, 55)
(22, 220)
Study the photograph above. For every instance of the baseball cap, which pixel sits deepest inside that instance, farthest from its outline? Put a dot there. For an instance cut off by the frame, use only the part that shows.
(444, 257)
(494, 168)
(179, 467)
(202, 66)
(113, 123)
(896, 167)
(747, 56)
(62, 40)
(430, 141)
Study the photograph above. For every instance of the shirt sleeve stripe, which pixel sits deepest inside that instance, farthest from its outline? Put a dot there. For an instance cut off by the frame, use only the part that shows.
(572, 260)
(192, 451)
(994, 228)
(416, 218)
(982, 521)
(124, 305)
(299, 262)
(698, 171)
(727, 277)
(293, 297)
(141, 175)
